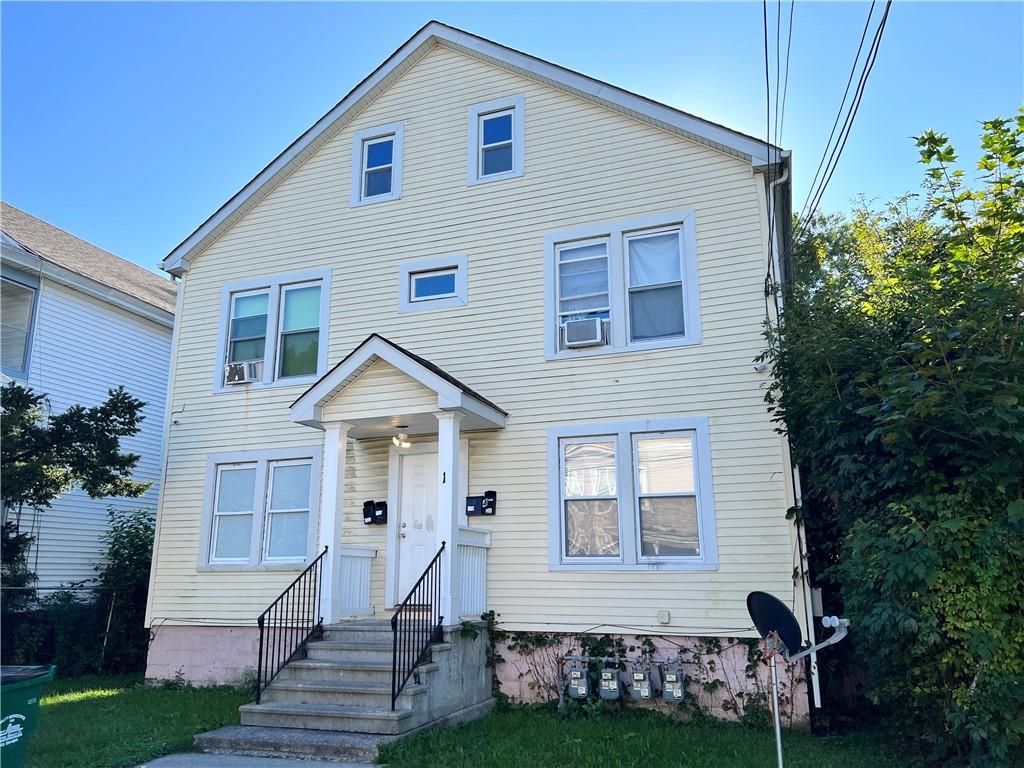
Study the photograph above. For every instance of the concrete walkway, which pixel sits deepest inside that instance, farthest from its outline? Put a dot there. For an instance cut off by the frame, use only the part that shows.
(200, 760)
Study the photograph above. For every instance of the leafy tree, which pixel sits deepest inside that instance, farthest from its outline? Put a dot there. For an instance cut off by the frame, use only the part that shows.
(44, 457)
(899, 375)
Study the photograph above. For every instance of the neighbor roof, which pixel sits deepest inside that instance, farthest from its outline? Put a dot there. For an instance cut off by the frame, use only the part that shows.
(56, 246)
(741, 145)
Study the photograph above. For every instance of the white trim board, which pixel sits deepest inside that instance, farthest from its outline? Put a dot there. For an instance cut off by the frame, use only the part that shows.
(756, 151)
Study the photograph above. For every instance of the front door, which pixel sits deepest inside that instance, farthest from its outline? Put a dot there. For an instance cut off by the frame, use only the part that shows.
(417, 518)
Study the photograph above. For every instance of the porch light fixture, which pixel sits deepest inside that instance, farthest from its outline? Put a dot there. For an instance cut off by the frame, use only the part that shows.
(401, 440)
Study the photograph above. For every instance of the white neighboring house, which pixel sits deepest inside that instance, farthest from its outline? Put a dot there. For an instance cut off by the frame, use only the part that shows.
(77, 322)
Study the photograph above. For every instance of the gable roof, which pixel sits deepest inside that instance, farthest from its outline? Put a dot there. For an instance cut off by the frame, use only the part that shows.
(434, 33)
(452, 393)
(54, 245)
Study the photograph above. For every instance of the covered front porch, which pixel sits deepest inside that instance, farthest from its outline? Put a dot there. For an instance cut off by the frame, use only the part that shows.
(418, 419)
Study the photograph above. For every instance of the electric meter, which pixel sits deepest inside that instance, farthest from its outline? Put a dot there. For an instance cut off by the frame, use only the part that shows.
(610, 686)
(579, 685)
(672, 682)
(641, 689)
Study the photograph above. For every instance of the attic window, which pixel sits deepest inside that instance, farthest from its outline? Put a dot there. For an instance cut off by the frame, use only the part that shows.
(496, 146)
(377, 164)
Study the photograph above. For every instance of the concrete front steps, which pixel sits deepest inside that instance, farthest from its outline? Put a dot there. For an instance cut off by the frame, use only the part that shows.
(336, 703)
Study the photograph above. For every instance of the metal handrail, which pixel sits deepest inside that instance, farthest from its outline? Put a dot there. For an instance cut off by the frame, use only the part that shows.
(288, 623)
(415, 625)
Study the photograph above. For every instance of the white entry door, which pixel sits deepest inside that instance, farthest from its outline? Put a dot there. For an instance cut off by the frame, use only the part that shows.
(417, 518)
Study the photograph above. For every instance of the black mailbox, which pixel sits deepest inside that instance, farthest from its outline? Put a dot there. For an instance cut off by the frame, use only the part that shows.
(380, 513)
(490, 505)
(368, 512)
(481, 505)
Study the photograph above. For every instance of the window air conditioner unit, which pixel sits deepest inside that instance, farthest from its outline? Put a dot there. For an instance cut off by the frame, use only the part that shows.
(243, 373)
(583, 333)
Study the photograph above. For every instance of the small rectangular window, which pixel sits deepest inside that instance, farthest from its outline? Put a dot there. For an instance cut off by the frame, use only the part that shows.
(377, 164)
(288, 505)
(16, 308)
(247, 339)
(496, 146)
(439, 283)
(234, 509)
(300, 330)
(378, 157)
(589, 496)
(436, 284)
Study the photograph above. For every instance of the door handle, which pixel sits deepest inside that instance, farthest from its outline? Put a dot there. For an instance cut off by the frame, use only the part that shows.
(401, 535)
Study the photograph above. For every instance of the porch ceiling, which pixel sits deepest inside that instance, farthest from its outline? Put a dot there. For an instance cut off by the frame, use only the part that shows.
(380, 387)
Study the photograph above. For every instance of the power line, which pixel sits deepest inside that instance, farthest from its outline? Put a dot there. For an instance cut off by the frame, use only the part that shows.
(854, 106)
(839, 113)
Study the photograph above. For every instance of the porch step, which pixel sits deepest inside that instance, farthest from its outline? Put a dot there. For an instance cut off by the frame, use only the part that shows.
(329, 717)
(344, 671)
(263, 741)
(362, 694)
(372, 630)
(330, 650)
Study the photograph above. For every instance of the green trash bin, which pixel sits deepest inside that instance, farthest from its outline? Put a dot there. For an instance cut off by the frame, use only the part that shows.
(20, 689)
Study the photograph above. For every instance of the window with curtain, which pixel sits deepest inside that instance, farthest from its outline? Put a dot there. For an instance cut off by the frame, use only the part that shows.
(288, 506)
(16, 305)
(583, 281)
(589, 498)
(300, 330)
(655, 285)
(666, 495)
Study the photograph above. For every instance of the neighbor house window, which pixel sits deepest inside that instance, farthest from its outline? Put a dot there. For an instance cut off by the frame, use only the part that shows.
(259, 507)
(628, 285)
(632, 496)
(377, 164)
(496, 143)
(276, 328)
(17, 305)
(438, 283)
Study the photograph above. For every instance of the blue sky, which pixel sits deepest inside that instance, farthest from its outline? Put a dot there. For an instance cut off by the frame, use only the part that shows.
(128, 124)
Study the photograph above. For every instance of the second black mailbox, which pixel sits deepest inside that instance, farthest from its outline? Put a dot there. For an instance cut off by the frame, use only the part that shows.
(482, 505)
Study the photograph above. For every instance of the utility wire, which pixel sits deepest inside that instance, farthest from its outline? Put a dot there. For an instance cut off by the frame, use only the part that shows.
(839, 113)
(869, 64)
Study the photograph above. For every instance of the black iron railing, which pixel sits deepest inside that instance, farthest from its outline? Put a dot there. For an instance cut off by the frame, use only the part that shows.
(415, 625)
(288, 624)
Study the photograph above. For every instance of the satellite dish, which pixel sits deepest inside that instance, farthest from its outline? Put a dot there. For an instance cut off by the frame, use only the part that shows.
(776, 623)
(770, 614)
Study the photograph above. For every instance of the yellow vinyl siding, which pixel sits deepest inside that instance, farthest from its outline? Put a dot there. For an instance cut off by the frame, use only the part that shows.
(584, 165)
(380, 389)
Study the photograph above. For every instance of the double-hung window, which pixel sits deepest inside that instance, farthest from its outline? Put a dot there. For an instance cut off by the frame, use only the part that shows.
(276, 328)
(496, 146)
(259, 508)
(17, 309)
(377, 164)
(632, 496)
(626, 285)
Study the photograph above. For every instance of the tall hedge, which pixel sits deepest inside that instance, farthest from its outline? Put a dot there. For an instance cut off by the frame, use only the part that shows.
(899, 375)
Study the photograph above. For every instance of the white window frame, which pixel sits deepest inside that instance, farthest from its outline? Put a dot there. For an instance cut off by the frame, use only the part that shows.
(275, 285)
(477, 112)
(31, 283)
(617, 234)
(360, 141)
(261, 460)
(456, 263)
(624, 434)
(269, 513)
(216, 516)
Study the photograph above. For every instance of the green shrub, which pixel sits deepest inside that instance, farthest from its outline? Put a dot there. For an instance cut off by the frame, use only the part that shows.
(899, 368)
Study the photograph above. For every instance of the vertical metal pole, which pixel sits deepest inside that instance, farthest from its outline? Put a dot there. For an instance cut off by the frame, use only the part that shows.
(259, 662)
(772, 646)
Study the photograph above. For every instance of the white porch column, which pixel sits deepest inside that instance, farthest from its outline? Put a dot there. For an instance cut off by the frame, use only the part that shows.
(448, 508)
(332, 499)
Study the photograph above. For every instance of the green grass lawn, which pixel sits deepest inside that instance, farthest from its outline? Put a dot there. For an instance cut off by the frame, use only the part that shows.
(536, 737)
(117, 722)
